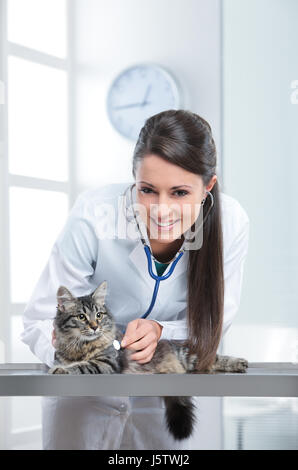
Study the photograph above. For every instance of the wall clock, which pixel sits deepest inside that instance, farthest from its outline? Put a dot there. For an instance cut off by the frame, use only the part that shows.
(139, 92)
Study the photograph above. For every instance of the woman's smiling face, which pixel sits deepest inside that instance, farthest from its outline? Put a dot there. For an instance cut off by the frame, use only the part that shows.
(171, 197)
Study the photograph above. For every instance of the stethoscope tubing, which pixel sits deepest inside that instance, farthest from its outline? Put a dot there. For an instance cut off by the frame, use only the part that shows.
(156, 277)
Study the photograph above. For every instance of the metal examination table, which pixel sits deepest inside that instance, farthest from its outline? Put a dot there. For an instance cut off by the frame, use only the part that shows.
(261, 379)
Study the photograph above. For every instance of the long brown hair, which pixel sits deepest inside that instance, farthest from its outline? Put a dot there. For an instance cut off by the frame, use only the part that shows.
(185, 139)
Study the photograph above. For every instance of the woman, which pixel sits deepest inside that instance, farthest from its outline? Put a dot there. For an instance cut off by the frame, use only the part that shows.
(174, 167)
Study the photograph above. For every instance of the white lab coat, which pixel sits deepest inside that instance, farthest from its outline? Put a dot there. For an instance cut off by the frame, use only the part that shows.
(81, 259)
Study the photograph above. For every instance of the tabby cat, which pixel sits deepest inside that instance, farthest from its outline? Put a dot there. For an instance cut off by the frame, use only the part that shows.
(85, 336)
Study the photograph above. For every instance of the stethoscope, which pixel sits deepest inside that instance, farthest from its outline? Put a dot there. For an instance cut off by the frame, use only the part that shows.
(150, 256)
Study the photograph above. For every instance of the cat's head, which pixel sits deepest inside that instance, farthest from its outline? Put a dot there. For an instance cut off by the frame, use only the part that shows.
(86, 317)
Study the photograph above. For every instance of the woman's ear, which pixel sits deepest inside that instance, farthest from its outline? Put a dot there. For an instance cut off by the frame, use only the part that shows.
(65, 299)
(211, 183)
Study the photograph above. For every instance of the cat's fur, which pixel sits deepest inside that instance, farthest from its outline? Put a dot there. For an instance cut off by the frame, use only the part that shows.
(85, 346)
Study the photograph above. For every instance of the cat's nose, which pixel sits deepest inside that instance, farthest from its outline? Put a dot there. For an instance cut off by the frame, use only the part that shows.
(93, 326)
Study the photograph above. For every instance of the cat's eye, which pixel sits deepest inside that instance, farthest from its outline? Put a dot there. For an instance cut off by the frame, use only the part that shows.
(82, 316)
(98, 315)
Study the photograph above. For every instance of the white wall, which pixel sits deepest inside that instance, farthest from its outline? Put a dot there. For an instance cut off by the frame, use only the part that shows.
(260, 161)
(260, 143)
(183, 36)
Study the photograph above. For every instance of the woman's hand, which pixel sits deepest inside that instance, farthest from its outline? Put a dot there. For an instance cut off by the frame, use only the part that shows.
(142, 335)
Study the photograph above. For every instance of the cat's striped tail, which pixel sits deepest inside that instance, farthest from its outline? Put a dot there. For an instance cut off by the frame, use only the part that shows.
(180, 416)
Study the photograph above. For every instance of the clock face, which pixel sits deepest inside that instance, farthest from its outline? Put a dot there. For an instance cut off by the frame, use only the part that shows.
(138, 93)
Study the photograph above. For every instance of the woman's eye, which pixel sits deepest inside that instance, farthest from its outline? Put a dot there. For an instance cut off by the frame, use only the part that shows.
(181, 191)
(145, 190)
(82, 316)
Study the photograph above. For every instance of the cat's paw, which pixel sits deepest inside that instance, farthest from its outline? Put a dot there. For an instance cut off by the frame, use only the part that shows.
(58, 370)
(238, 364)
(229, 364)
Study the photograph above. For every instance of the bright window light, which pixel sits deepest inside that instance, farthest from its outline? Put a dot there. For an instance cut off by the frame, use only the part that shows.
(38, 24)
(36, 218)
(37, 120)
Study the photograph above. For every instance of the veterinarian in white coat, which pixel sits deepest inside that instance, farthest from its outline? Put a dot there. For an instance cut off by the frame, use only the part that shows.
(80, 260)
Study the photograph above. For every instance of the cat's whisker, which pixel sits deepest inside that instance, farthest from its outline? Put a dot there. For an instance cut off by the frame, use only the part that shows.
(105, 337)
(70, 345)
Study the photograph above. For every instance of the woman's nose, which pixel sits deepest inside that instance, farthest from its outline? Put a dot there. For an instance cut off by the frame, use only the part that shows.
(163, 209)
(166, 208)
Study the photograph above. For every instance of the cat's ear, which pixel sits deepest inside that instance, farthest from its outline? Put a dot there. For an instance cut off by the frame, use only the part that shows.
(100, 293)
(65, 299)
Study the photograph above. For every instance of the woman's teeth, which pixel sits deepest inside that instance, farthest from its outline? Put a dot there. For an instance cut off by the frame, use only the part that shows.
(165, 225)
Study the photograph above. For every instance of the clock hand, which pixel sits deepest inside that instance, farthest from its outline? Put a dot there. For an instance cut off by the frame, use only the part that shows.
(132, 105)
(146, 95)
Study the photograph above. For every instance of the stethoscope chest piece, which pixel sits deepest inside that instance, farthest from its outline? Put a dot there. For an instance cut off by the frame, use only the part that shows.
(116, 344)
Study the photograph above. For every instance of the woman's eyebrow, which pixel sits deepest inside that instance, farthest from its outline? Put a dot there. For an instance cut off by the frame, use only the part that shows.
(173, 187)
